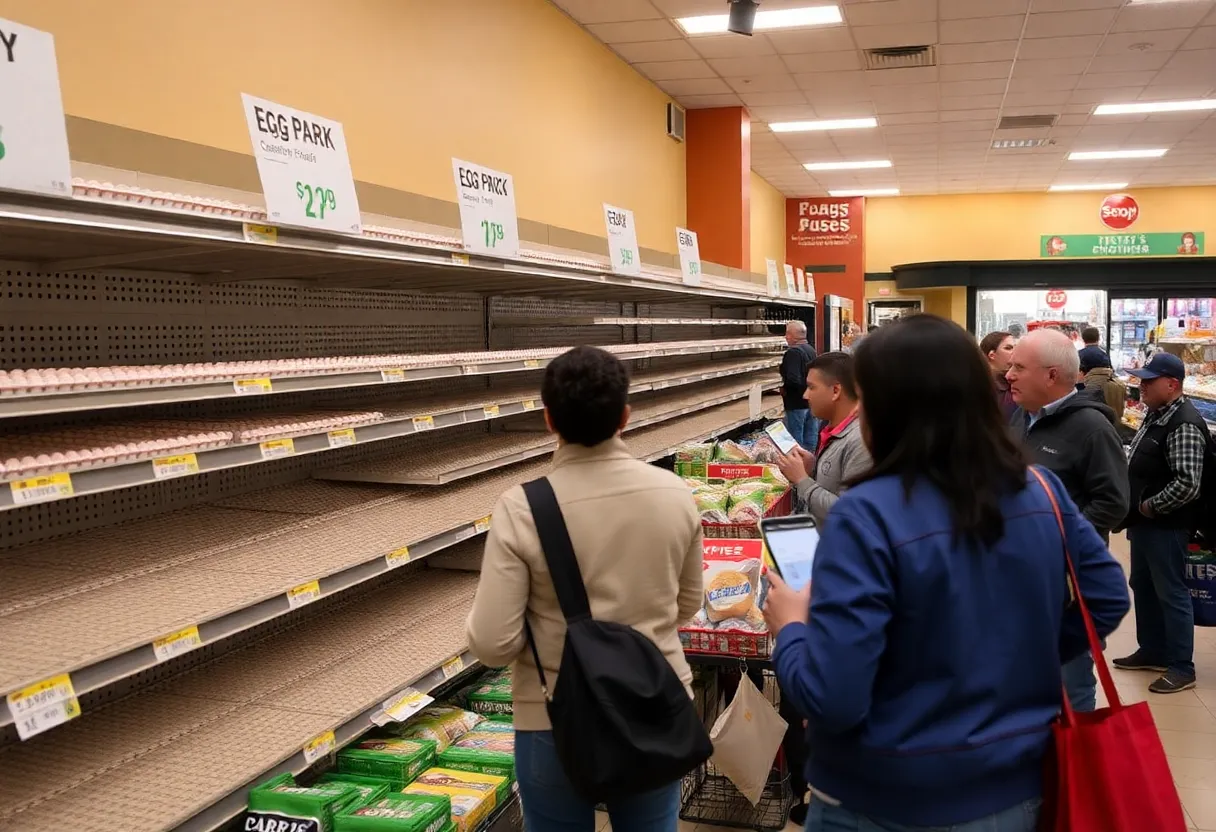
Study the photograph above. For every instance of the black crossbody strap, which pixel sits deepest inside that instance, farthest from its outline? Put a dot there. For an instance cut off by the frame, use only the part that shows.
(558, 550)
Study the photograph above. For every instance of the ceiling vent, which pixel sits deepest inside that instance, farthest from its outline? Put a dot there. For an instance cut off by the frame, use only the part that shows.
(675, 121)
(901, 57)
(1021, 144)
(1026, 122)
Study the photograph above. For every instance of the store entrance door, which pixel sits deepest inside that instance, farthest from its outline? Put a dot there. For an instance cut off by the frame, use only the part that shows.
(1133, 322)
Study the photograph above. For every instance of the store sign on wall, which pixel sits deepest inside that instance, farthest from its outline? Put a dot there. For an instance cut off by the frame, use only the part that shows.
(1057, 298)
(622, 240)
(1157, 244)
(33, 136)
(690, 256)
(1119, 211)
(305, 172)
(488, 224)
(826, 223)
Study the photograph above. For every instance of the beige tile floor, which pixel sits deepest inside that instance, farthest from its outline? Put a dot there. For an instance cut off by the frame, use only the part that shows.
(1186, 721)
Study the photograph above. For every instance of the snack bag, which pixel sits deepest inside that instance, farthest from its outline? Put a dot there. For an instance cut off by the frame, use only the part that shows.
(748, 501)
(444, 724)
(395, 759)
(397, 813)
(370, 788)
(712, 503)
(279, 803)
(729, 451)
(732, 578)
(499, 760)
(764, 449)
(473, 795)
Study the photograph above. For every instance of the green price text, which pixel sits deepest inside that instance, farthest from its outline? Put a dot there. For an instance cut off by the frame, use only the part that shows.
(626, 257)
(493, 232)
(317, 200)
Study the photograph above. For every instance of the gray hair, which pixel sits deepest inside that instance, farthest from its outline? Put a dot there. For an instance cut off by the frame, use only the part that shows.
(796, 327)
(1055, 349)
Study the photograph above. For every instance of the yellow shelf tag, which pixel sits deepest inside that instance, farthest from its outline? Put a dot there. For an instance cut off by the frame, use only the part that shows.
(251, 386)
(319, 747)
(264, 234)
(482, 526)
(277, 448)
(532, 363)
(452, 666)
(392, 376)
(424, 423)
(529, 404)
(180, 465)
(406, 704)
(43, 705)
(491, 411)
(303, 594)
(175, 644)
(342, 438)
(397, 557)
(42, 489)
(460, 259)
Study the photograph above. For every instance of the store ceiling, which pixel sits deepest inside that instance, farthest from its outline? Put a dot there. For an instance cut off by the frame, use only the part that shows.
(994, 58)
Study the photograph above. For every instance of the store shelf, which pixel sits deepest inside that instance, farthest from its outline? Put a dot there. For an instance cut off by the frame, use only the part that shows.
(93, 604)
(83, 234)
(257, 378)
(391, 420)
(441, 465)
(183, 754)
(507, 321)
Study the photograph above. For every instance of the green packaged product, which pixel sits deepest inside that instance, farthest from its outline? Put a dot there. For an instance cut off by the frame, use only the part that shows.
(497, 724)
(491, 699)
(398, 813)
(371, 788)
(443, 724)
(395, 759)
(482, 760)
(280, 804)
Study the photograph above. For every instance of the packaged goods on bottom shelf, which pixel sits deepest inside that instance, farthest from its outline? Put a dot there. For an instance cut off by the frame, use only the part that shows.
(397, 760)
(398, 813)
(474, 796)
(442, 724)
(275, 804)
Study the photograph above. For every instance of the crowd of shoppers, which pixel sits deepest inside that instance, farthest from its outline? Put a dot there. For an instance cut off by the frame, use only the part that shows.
(926, 656)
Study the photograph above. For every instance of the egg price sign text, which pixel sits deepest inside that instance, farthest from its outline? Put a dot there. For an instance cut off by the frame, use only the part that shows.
(33, 136)
(487, 209)
(622, 240)
(690, 256)
(305, 171)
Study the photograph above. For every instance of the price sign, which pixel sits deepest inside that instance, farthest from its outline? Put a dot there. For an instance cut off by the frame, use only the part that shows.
(303, 594)
(251, 386)
(343, 438)
(277, 448)
(175, 644)
(622, 240)
(810, 285)
(789, 280)
(319, 747)
(690, 256)
(774, 280)
(800, 280)
(452, 666)
(397, 557)
(404, 705)
(33, 135)
(482, 526)
(43, 705)
(422, 423)
(180, 465)
(305, 171)
(41, 489)
(488, 223)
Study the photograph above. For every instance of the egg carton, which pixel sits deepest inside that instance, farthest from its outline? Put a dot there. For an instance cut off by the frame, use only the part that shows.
(84, 447)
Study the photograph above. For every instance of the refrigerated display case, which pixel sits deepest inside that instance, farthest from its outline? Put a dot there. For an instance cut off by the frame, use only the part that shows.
(839, 327)
(880, 312)
(1133, 322)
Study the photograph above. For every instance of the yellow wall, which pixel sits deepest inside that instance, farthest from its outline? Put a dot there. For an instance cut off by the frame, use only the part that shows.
(511, 84)
(917, 229)
(948, 302)
(768, 223)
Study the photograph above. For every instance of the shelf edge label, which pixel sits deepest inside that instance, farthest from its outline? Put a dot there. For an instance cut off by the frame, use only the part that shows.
(422, 423)
(397, 557)
(43, 489)
(303, 594)
(342, 438)
(320, 746)
(267, 235)
(43, 705)
(482, 526)
(393, 376)
(180, 465)
(404, 705)
(251, 386)
(452, 666)
(175, 644)
(277, 448)
(490, 411)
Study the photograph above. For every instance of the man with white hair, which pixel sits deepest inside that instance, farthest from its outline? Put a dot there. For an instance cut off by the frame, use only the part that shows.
(1071, 432)
(795, 364)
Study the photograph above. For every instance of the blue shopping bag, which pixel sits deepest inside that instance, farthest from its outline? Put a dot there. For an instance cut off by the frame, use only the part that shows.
(1201, 581)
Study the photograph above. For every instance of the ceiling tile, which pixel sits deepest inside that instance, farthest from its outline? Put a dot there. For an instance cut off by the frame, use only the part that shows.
(698, 102)
(928, 117)
(992, 86)
(694, 86)
(970, 102)
(1202, 38)
(596, 11)
(671, 70)
(773, 99)
(834, 84)
(968, 53)
(976, 72)
(1114, 80)
(686, 8)
(1081, 46)
(1119, 43)
(1128, 62)
(826, 39)
(909, 75)
(732, 46)
(885, 12)
(792, 112)
(1065, 24)
(656, 50)
(1074, 5)
(763, 65)
(635, 31)
(1201, 63)
(979, 118)
(1155, 16)
(906, 34)
(1042, 100)
(1091, 96)
(762, 83)
(955, 9)
(1051, 66)
(823, 61)
(982, 30)
(899, 106)
(831, 108)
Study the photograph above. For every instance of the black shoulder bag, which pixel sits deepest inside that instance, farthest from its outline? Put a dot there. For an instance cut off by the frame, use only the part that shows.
(623, 723)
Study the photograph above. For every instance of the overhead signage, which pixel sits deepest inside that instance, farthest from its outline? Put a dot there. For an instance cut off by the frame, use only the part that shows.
(305, 172)
(790, 284)
(622, 240)
(33, 135)
(488, 224)
(1056, 298)
(1119, 211)
(774, 280)
(690, 256)
(1159, 244)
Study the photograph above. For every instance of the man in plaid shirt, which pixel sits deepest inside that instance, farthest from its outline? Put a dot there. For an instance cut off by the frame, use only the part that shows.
(1165, 470)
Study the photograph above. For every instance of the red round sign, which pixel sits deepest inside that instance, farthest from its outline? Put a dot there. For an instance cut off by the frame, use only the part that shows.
(1119, 211)
(1056, 298)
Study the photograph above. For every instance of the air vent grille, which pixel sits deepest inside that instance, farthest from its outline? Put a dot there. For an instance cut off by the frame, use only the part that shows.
(675, 121)
(1021, 144)
(1026, 122)
(901, 57)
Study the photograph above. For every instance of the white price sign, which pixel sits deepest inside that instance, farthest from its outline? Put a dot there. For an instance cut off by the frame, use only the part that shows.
(33, 136)
(305, 171)
(789, 280)
(43, 705)
(487, 209)
(774, 280)
(800, 276)
(810, 285)
(690, 256)
(622, 240)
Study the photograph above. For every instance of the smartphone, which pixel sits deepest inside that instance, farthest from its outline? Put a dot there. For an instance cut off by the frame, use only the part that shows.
(791, 543)
(781, 436)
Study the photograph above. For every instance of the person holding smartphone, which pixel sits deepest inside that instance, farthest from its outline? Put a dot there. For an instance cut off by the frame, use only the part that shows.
(820, 478)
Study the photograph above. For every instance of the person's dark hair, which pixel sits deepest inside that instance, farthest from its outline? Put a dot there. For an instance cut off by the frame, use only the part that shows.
(1090, 335)
(585, 391)
(993, 340)
(838, 368)
(926, 394)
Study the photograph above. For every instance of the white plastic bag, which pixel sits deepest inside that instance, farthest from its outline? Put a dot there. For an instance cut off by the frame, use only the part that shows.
(746, 738)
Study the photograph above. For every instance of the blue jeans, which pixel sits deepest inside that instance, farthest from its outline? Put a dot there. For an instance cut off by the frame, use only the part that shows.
(1080, 682)
(1165, 619)
(551, 804)
(1024, 817)
(803, 427)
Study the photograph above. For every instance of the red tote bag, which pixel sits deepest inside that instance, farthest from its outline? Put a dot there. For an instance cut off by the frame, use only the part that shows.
(1109, 772)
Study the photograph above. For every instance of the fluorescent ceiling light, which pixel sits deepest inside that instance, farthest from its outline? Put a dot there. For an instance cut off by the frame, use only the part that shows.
(709, 24)
(822, 124)
(1090, 155)
(1154, 107)
(866, 192)
(873, 163)
(1097, 186)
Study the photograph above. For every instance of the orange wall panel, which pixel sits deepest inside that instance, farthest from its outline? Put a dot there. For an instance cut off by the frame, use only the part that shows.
(718, 158)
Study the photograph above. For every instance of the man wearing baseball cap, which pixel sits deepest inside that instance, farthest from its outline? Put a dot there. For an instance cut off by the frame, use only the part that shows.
(1165, 469)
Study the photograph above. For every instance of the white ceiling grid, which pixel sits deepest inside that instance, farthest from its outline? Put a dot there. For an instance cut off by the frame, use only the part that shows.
(936, 124)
